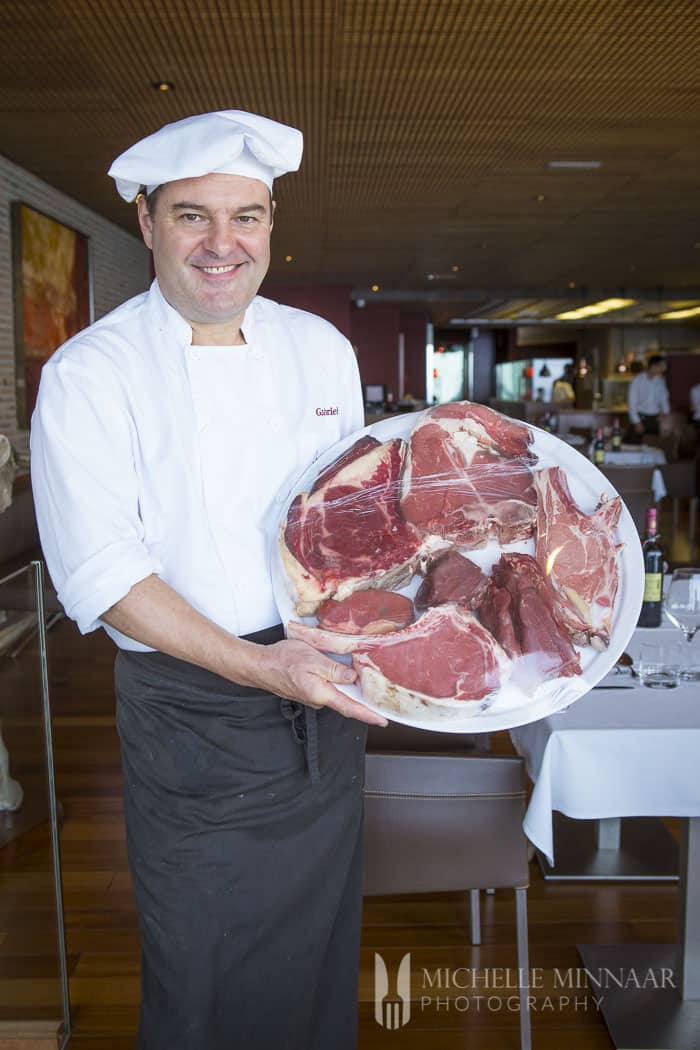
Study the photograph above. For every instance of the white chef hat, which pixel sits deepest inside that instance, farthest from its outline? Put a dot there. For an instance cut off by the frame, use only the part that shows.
(229, 142)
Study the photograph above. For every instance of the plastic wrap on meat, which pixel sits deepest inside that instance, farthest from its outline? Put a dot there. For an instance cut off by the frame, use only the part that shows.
(519, 609)
(579, 555)
(451, 578)
(467, 476)
(366, 612)
(346, 533)
(446, 661)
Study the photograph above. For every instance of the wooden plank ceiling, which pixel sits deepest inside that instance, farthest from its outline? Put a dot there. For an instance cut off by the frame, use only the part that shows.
(429, 128)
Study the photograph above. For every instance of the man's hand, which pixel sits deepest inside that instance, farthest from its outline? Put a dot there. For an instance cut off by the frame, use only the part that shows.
(639, 427)
(296, 671)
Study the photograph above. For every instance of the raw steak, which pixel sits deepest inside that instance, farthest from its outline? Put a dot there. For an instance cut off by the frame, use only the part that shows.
(366, 612)
(519, 610)
(451, 578)
(458, 484)
(347, 534)
(578, 554)
(487, 428)
(444, 660)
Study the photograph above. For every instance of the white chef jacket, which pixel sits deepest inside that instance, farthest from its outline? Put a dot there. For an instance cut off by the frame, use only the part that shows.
(150, 455)
(695, 402)
(648, 397)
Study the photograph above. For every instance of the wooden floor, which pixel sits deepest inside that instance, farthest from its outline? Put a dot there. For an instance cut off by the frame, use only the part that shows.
(101, 927)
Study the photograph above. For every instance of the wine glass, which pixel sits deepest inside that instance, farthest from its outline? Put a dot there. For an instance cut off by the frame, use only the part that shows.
(682, 605)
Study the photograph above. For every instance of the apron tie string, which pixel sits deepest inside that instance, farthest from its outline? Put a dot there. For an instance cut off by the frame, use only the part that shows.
(304, 726)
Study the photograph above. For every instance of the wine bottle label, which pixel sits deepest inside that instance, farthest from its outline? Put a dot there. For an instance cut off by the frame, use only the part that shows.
(599, 456)
(652, 586)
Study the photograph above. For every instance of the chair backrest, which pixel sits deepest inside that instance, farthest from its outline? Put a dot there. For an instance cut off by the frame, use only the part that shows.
(443, 821)
(680, 479)
(634, 486)
(667, 442)
(397, 737)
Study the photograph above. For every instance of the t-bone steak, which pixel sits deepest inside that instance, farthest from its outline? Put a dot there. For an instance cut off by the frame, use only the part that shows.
(578, 553)
(366, 612)
(445, 664)
(451, 578)
(346, 533)
(467, 476)
(519, 610)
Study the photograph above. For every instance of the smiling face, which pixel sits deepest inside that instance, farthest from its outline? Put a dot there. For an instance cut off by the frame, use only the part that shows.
(210, 238)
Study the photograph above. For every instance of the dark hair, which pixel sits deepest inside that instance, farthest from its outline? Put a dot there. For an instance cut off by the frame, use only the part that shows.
(151, 198)
(655, 359)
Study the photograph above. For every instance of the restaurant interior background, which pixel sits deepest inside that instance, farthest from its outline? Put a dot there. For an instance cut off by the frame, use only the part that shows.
(473, 170)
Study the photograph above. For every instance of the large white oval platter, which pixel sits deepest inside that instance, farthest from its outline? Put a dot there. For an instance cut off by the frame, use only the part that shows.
(510, 706)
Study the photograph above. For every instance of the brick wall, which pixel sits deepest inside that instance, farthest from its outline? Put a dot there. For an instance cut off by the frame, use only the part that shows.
(120, 268)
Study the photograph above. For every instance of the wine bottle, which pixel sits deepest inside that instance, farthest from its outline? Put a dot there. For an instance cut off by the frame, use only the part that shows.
(599, 449)
(650, 616)
(616, 439)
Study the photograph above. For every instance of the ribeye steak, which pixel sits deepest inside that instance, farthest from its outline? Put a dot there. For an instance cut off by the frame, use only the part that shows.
(346, 533)
(467, 476)
(578, 553)
(445, 663)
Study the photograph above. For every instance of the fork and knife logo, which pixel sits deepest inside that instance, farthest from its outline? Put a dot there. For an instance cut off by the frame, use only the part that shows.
(392, 1010)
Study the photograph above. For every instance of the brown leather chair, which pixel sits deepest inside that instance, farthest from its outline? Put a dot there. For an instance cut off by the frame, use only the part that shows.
(440, 820)
(681, 481)
(634, 486)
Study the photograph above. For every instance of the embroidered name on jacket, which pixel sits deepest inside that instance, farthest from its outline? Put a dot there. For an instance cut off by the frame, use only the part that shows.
(332, 411)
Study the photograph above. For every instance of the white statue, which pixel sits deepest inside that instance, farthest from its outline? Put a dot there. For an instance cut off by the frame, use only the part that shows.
(8, 469)
(11, 793)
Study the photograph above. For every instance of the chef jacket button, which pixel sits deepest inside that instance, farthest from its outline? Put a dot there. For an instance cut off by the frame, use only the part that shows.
(275, 422)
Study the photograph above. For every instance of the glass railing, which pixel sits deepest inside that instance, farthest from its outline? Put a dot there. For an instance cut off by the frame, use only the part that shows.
(34, 1005)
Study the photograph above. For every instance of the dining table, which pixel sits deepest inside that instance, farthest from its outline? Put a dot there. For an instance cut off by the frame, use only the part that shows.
(627, 751)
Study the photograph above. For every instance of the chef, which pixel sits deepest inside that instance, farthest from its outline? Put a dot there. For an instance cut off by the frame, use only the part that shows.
(165, 441)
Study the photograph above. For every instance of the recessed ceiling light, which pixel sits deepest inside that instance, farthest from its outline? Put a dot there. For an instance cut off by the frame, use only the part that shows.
(540, 197)
(375, 287)
(580, 165)
(289, 258)
(163, 85)
(455, 269)
(572, 284)
(679, 315)
(604, 306)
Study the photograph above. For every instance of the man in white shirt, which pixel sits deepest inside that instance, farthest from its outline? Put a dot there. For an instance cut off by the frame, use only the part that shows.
(165, 440)
(648, 399)
(695, 404)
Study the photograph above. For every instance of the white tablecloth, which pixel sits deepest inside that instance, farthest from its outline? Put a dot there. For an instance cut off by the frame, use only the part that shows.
(614, 753)
(638, 456)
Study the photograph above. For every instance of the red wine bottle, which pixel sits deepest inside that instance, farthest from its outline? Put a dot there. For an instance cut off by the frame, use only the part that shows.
(650, 616)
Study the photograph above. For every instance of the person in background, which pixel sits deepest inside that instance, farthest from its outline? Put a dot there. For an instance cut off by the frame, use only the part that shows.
(647, 400)
(695, 405)
(563, 388)
(165, 439)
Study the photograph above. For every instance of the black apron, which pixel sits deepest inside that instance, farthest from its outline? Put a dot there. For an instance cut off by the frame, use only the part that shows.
(244, 821)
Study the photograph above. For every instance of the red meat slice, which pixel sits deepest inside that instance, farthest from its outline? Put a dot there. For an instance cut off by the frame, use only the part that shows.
(520, 611)
(578, 554)
(451, 578)
(456, 488)
(366, 612)
(445, 660)
(346, 533)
